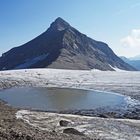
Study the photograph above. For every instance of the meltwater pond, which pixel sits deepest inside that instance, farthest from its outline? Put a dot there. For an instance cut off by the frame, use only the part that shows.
(59, 99)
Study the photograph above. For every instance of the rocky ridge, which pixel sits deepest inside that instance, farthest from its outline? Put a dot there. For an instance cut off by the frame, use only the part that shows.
(63, 47)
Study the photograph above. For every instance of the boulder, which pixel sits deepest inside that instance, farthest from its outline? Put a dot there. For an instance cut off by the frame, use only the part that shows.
(72, 131)
(64, 123)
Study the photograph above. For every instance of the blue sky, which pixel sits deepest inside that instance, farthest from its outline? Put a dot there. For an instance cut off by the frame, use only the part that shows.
(115, 22)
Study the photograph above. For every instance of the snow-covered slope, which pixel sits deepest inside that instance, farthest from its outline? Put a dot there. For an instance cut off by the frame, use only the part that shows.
(123, 82)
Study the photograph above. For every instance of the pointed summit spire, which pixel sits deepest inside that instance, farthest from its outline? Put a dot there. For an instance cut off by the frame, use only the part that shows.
(59, 24)
(60, 20)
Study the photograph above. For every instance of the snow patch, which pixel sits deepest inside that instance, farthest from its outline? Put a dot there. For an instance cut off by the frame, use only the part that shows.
(117, 69)
(96, 70)
(20, 113)
(131, 102)
(32, 61)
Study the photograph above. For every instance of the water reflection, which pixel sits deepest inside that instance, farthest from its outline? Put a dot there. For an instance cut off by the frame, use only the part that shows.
(57, 99)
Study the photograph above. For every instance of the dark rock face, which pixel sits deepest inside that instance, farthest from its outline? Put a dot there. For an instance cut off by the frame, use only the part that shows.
(64, 123)
(62, 46)
(72, 131)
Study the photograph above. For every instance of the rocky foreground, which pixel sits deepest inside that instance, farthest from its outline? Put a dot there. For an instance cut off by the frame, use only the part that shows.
(12, 128)
(27, 125)
(93, 127)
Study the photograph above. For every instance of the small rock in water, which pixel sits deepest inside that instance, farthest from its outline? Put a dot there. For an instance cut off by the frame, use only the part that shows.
(64, 123)
(72, 131)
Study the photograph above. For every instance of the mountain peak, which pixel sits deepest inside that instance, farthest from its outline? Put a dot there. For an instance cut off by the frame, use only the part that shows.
(63, 47)
(60, 20)
(59, 24)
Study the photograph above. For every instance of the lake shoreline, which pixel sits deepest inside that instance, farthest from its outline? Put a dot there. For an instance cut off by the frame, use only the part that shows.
(125, 83)
(13, 128)
(130, 110)
(61, 78)
(45, 99)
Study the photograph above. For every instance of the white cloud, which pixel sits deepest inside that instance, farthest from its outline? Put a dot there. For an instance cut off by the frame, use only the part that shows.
(132, 40)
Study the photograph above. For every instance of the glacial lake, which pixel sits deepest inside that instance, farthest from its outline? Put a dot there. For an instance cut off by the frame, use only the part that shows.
(59, 99)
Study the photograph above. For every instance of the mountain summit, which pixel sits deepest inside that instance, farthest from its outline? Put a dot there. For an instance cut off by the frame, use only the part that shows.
(64, 47)
(59, 24)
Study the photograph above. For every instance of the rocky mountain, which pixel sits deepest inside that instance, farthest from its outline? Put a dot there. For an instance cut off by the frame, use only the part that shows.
(137, 57)
(132, 62)
(62, 46)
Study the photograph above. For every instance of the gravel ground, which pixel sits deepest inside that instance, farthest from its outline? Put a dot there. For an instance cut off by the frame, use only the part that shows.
(93, 127)
(16, 129)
